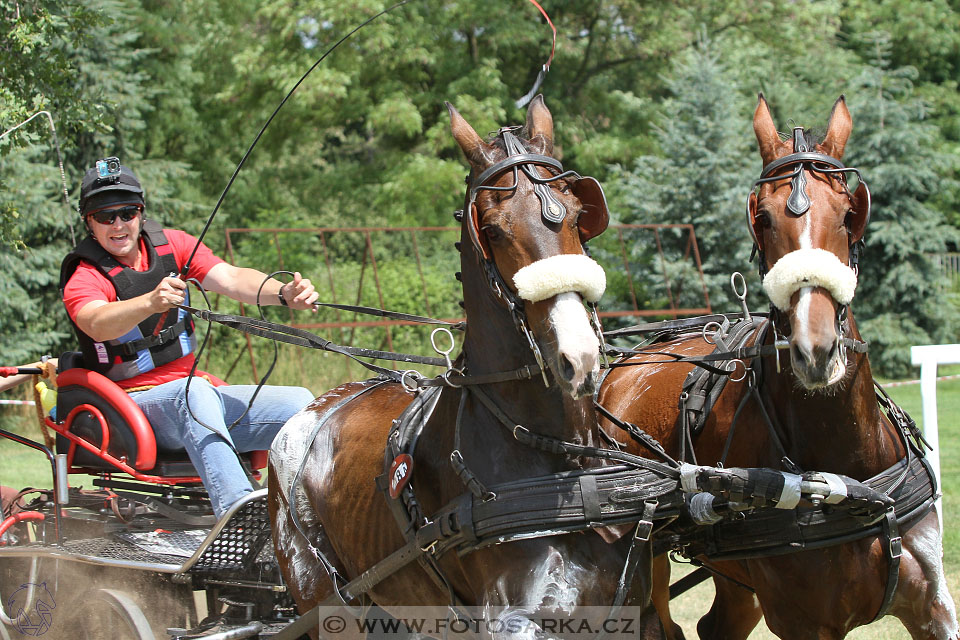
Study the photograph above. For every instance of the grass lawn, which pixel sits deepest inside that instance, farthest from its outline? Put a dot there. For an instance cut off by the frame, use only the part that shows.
(20, 467)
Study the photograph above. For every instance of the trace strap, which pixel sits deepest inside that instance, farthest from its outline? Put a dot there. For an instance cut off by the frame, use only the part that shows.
(303, 338)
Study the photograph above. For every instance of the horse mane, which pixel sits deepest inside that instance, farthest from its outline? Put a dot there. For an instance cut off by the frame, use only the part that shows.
(812, 136)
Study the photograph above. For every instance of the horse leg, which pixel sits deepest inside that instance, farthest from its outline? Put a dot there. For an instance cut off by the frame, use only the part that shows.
(661, 598)
(734, 613)
(922, 602)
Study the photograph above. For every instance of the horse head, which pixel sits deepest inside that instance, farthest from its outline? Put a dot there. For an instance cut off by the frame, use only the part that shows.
(807, 225)
(524, 224)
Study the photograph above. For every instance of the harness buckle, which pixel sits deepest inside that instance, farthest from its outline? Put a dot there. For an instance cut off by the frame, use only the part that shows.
(895, 547)
(645, 526)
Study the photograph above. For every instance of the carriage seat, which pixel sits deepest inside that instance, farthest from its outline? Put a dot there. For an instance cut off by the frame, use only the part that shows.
(93, 408)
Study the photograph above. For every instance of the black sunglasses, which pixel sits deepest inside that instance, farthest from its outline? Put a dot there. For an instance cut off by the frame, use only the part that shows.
(107, 216)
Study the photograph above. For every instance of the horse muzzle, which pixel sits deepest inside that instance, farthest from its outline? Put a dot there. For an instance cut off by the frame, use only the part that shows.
(562, 282)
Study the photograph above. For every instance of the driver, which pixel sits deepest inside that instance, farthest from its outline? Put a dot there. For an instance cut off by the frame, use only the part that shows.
(117, 285)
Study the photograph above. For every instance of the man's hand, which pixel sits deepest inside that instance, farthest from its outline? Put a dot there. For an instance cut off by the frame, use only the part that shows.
(300, 293)
(169, 293)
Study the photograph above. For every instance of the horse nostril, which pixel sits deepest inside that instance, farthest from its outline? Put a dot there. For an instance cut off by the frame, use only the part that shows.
(589, 385)
(567, 368)
(796, 354)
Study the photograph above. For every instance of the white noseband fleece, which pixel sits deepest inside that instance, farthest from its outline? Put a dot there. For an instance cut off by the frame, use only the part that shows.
(809, 268)
(561, 274)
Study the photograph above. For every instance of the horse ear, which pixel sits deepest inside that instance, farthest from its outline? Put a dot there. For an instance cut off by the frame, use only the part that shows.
(478, 152)
(765, 130)
(838, 130)
(540, 126)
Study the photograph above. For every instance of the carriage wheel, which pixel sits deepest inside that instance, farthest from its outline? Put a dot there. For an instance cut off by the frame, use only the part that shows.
(114, 614)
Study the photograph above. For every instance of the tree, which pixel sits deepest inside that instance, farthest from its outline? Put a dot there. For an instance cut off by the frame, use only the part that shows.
(697, 177)
(896, 149)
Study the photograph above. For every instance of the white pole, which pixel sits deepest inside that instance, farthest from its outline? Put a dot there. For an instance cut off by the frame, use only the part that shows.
(927, 357)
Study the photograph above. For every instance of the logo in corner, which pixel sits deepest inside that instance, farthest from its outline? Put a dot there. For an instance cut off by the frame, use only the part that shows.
(30, 609)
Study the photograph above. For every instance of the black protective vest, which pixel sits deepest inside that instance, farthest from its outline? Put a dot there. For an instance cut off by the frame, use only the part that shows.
(138, 351)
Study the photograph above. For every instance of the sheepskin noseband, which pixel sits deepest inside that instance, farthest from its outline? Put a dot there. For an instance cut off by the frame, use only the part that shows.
(561, 274)
(809, 268)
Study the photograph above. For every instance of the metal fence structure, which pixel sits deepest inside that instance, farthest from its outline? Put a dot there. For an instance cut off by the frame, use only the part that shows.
(949, 264)
(653, 271)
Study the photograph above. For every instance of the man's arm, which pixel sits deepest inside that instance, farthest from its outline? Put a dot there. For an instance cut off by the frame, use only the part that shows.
(102, 320)
(242, 284)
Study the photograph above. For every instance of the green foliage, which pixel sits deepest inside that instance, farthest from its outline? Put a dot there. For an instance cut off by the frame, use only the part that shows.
(895, 149)
(37, 75)
(696, 177)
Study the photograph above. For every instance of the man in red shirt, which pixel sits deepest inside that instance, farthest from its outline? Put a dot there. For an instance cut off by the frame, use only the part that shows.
(121, 282)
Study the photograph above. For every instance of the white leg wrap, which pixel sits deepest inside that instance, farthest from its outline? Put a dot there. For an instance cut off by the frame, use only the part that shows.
(564, 273)
(809, 268)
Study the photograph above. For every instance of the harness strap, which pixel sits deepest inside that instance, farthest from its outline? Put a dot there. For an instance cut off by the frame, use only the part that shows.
(300, 337)
(561, 447)
(638, 543)
(674, 326)
(639, 435)
(893, 549)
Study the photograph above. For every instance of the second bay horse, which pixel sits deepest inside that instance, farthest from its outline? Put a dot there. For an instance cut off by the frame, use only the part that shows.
(819, 412)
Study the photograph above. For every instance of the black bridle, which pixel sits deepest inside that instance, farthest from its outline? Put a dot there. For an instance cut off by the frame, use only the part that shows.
(592, 220)
(804, 159)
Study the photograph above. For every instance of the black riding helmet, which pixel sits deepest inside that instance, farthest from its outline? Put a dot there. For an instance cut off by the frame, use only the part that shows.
(98, 191)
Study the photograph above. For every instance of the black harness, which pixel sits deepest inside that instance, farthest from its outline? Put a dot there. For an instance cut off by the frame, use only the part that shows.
(909, 483)
(633, 489)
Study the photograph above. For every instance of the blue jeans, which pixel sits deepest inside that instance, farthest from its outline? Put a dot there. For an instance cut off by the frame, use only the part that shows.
(210, 449)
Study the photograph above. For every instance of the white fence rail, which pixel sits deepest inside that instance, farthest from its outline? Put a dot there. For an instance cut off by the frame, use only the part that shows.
(927, 357)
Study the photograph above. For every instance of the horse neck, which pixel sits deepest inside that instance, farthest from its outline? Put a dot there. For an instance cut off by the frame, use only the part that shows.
(492, 344)
(841, 431)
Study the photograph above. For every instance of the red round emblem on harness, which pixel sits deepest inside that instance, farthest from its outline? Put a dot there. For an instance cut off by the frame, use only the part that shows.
(400, 472)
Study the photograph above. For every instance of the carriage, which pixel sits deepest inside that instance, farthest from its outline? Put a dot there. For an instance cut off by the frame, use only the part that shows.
(491, 488)
(124, 557)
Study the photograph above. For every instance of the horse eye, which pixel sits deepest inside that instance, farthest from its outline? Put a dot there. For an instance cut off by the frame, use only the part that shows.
(564, 187)
(492, 232)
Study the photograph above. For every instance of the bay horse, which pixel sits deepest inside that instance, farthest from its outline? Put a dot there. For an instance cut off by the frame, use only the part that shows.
(820, 411)
(525, 276)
